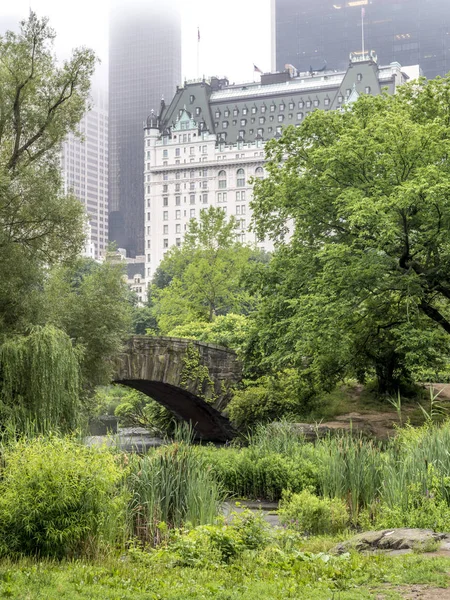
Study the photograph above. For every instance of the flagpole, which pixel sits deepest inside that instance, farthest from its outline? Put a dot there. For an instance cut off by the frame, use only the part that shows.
(198, 52)
(362, 30)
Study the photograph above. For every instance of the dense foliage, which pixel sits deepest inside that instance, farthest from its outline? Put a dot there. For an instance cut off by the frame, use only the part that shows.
(362, 284)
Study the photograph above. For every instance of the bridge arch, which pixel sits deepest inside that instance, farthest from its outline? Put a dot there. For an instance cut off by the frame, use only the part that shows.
(192, 379)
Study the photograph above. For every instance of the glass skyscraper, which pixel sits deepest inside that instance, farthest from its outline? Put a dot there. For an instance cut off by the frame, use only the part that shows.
(310, 33)
(144, 67)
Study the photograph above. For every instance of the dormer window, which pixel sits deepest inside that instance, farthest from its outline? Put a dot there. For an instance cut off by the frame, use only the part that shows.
(235, 112)
(272, 108)
(308, 104)
(291, 105)
(217, 115)
(254, 109)
(198, 110)
(191, 99)
(301, 104)
(244, 111)
(226, 114)
(282, 107)
(263, 109)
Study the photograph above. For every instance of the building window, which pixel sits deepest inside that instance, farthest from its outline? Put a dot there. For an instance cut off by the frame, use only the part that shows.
(280, 118)
(191, 150)
(367, 89)
(243, 122)
(165, 201)
(243, 209)
(282, 107)
(178, 175)
(340, 99)
(178, 214)
(217, 114)
(205, 199)
(308, 104)
(327, 102)
(262, 120)
(204, 149)
(165, 153)
(222, 180)
(263, 109)
(226, 114)
(165, 215)
(192, 199)
(192, 213)
(166, 230)
(244, 111)
(238, 209)
(272, 108)
(191, 99)
(165, 243)
(299, 116)
(240, 180)
(177, 200)
(178, 228)
(359, 77)
(165, 176)
(260, 131)
(225, 125)
(291, 105)
(198, 110)
(165, 188)
(316, 103)
(279, 129)
(254, 109)
(259, 173)
(235, 112)
(205, 185)
(177, 151)
(177, 187)
(192, 185)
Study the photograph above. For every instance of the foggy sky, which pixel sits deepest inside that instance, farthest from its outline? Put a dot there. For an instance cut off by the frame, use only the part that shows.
(235, 34)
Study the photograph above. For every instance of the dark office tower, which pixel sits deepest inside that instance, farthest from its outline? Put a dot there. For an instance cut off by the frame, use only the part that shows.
(411, 32)
(144, 66)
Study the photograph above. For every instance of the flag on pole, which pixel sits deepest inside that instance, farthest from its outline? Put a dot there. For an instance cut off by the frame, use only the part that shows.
(255, 68)
(198, 33)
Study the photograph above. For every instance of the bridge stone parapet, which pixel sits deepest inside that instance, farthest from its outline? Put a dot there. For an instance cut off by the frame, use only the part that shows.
(192, 379)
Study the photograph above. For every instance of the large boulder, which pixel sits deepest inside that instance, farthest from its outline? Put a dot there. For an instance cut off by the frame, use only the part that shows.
(394, 539)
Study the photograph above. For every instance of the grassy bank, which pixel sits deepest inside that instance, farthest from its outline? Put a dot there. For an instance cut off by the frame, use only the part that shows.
(265, 576)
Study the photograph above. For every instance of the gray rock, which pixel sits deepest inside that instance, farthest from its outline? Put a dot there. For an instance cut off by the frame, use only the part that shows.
(393, 539)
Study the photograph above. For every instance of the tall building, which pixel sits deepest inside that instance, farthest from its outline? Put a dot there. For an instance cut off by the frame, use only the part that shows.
(84, 167)
(312, 33)
(144, 67)
(205, 146)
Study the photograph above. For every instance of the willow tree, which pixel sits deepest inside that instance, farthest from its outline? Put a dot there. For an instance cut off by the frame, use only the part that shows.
(40, 380)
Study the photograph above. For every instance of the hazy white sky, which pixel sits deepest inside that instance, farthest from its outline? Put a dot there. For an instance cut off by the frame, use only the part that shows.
(235, 34)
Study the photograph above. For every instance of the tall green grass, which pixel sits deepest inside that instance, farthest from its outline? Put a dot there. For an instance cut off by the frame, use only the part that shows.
(171, 487)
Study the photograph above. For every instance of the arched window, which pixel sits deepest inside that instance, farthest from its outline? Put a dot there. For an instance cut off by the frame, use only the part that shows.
(240, 178)
(222, 180)
(259, 173)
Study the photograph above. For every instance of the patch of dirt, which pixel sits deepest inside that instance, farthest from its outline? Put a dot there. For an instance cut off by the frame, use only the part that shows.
(418, 592)
(377, 424)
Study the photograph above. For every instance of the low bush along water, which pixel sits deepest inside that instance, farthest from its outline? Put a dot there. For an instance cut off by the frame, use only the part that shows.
(59, 498)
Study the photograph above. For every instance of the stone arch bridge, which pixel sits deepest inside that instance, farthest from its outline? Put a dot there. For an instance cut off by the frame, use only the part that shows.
(192, 379)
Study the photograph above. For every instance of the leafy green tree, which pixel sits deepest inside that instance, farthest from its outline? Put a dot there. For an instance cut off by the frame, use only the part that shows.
(202, 278)
(362, 284)
(90, 302)
(40, 103)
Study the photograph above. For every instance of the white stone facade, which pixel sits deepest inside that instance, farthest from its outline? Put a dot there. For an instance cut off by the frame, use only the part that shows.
(189, 172)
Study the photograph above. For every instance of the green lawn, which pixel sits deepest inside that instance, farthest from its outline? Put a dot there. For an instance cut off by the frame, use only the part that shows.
(260, 576)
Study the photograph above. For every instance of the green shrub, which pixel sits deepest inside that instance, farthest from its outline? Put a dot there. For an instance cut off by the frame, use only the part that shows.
(220, 543)
(309, 514)
(59, 499)
(284, 396)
